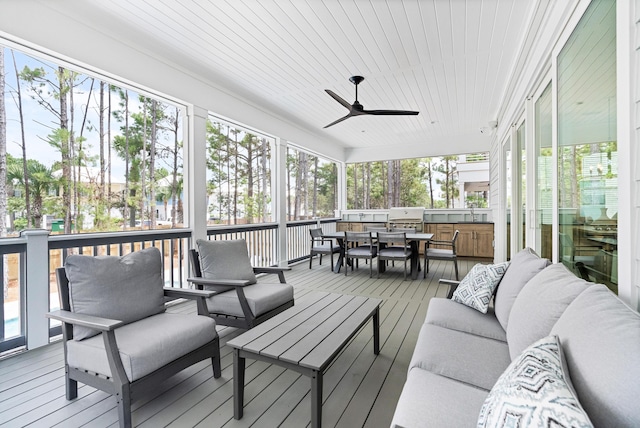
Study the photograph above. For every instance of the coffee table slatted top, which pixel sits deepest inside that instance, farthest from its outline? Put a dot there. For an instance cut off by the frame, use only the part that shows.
(312, 332)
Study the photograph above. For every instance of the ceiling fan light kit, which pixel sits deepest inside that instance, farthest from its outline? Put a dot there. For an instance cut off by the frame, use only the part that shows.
(356, 109)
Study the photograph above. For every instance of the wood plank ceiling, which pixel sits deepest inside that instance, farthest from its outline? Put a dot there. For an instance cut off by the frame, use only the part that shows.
(449, 59)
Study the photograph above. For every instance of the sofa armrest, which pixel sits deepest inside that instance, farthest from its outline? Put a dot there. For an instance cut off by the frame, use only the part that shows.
(453, 285)
(90, 321)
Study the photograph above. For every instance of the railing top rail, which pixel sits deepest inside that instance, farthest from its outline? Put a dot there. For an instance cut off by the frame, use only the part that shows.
(104, 238)
(12, 245)
(235, 228)
(295, 223)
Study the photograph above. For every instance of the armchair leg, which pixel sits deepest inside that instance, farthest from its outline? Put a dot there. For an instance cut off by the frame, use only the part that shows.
(310, 260)
(455, 265)
(71, 386)
(215, 360)
(123, 402)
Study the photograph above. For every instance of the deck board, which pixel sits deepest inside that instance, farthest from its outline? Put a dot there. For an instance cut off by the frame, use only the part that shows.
(360, 389)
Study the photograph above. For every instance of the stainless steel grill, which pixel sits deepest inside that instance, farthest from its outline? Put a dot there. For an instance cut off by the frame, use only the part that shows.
(406, 217)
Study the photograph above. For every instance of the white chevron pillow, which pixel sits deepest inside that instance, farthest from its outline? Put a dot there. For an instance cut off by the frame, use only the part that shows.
(475, 289)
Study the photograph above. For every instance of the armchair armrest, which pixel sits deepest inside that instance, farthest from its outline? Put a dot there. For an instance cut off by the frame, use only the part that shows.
(436, 242)
(226, 282)
(272, 269)
(453, 285)
(90, 321)
(187, 293)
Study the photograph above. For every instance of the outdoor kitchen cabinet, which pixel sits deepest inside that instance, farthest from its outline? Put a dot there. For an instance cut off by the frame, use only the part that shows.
(475, 240)
(349, 226)
(441, 232)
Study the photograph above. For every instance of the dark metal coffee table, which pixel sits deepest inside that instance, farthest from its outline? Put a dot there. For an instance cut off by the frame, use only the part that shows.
(305, 338)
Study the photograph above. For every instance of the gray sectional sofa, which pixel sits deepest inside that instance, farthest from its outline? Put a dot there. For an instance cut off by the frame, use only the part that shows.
(461, 353)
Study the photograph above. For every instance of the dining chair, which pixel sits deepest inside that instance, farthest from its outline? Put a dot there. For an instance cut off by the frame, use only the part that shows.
(394, 246)
(448, 253)
(321, 246)
(360, 245)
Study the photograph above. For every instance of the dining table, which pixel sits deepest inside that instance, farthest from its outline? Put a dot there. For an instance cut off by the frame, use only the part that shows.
(413, 239)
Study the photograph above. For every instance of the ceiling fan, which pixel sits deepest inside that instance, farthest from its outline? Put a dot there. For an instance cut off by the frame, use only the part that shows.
(356, 109)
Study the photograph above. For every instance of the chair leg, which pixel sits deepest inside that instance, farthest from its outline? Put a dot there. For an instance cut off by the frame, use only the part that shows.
(320, 263)
(310, 260)
(215, 360)
(455, 265)
(71, 386)
(123, 402)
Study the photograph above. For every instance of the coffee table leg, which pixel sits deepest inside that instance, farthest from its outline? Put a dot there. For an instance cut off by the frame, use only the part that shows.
(238, 384)
(316, 399)
(376, 331)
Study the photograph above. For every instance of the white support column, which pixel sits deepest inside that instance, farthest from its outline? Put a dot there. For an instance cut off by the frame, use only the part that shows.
(342, 185)
(279, 190)
(195, 156)
(37, 287)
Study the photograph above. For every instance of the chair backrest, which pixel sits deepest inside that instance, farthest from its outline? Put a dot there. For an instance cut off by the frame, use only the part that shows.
(127, 288)
(363, 238)
(392, 238)
(316, 234)
(225, 259)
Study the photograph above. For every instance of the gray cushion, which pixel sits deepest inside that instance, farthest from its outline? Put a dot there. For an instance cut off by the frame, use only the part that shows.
(126, 288)
(539, 305)
(430, 400)
(225, 260)
(524, 266)
(534, 391)
(465, 357)
(600, 336)
(477, 287)
(261, 297)
(455, 316)
(145, 345)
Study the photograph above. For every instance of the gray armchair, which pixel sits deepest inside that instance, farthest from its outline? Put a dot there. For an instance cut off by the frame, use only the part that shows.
(118, 337)
(240, 300)
(322, 246)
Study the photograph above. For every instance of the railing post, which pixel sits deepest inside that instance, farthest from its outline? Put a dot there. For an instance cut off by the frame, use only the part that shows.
(37, 287)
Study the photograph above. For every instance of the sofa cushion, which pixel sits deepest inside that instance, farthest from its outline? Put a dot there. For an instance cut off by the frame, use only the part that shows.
(534, 391)
(225, 260)
(428, 399)
(455, 316)
(145, 345)
(465, 357)
(261, 297)
(539, 305)
(524, 266)
(126, 288)
(600, 336)
(476, 288)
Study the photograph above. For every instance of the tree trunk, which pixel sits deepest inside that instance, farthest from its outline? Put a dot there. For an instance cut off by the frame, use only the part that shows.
(65, 152)
(315, 186)
(143, 165)
(152, 163)
(27, 192)
(101, 191)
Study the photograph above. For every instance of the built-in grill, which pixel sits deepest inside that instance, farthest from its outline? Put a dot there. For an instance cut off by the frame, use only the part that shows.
(412, 217)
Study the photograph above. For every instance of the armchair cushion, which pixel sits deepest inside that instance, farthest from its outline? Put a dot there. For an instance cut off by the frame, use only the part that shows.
(145, 345)
(225, 260)
(126, 288)
(261, 298)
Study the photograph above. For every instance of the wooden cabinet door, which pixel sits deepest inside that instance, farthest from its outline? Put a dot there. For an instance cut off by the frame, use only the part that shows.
(465, 244)
(444, 232)
(342, 226)
(484, 241)
(357, 227)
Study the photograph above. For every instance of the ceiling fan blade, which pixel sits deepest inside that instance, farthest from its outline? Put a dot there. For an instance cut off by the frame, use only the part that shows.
(339, 120)
(338, 98)
(390, 112)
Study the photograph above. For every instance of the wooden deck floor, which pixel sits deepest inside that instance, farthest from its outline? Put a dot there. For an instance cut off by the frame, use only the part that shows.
(360, 389)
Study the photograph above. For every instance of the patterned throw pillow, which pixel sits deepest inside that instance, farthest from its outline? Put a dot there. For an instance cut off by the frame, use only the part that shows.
(534, 391)
(475, 289)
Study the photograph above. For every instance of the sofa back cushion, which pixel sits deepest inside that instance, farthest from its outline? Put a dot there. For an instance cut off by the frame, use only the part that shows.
(524, 266)
(225, 260)
(126, 288)
(539, 305)
(600, 337)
